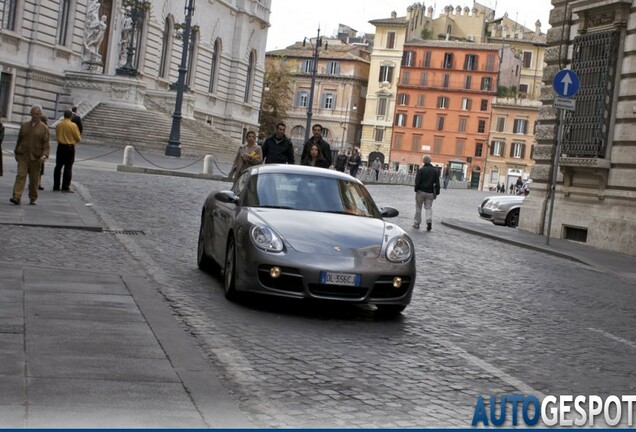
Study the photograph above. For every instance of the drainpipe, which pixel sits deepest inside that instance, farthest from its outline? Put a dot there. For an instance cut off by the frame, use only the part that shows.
(34, 32)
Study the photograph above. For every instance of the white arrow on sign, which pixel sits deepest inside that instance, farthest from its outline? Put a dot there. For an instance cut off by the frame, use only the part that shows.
(566, 81)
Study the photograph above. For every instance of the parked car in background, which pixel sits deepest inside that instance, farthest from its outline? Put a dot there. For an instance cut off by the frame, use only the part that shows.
(501, 209)
(307, 233)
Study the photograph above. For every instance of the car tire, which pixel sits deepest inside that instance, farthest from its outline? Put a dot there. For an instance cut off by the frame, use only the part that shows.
(512, 220)
(390, 310)
(229, 277)
(204, 261)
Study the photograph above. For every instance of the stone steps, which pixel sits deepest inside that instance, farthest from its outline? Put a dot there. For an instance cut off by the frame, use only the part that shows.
(116, 126)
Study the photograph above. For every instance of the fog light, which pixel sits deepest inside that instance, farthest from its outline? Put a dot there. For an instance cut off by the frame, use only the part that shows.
(274, 272)
(397, 282)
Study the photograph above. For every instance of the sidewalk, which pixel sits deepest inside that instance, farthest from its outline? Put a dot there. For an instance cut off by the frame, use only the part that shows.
(623, 266)
(84, 349)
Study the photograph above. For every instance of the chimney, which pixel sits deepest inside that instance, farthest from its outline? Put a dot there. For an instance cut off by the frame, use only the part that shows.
(394, 14)
(537, 28)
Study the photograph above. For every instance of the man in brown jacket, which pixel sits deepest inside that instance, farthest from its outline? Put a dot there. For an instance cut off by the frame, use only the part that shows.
(31, 150)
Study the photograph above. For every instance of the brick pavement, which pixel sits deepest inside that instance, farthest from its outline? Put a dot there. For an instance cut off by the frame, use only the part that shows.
(484, 319)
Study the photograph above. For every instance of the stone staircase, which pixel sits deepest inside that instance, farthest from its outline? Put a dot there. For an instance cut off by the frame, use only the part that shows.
(148, 131)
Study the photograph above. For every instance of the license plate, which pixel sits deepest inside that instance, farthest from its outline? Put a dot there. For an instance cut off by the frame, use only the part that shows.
(348, 279)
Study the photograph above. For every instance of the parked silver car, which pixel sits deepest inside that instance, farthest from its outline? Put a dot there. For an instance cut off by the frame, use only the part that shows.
(305, 232)
(501, 209)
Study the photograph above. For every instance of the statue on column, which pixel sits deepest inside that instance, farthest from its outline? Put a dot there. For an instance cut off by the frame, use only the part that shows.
(94, 31)
(126, 34)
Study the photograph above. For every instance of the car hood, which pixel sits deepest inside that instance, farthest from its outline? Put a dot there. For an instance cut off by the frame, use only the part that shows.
(505, 198)
(328, 233)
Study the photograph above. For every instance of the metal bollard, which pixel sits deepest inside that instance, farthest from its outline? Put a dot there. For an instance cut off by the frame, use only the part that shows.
(207, 164)
(129, 152)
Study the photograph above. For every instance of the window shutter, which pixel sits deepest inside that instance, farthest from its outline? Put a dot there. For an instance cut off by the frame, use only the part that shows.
(523, 151)
(390, 77)
(323, 98)
(492, 148)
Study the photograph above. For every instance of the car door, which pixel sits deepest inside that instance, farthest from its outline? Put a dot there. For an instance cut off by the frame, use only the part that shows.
(224, 214)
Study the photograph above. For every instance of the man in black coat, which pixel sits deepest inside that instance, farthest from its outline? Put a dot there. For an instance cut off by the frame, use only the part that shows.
(317, 138)
(278, 148)
(77, 120)
(426, 190)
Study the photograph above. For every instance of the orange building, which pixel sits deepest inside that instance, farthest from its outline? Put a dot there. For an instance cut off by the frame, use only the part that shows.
(443, 106)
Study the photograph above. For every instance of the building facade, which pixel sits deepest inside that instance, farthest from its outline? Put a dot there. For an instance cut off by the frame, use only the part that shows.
(511, 142)
(384, 70)
(54, 53)
(595, 191)
(444, 98)
(342, 71)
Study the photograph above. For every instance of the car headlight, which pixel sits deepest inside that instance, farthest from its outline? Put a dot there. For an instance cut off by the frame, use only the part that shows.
(266, 239)
(399, 250)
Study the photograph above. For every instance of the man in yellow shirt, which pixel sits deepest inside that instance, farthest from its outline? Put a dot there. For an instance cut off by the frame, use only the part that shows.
(68, 135)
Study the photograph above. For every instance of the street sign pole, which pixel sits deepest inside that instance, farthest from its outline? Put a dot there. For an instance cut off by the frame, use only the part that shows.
(555, 172)
(565, 84)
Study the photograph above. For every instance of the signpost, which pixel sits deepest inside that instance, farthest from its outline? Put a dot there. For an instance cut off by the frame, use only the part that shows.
(565, 85)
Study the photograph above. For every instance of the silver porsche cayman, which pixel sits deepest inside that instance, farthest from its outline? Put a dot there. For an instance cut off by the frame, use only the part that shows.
(307, 233)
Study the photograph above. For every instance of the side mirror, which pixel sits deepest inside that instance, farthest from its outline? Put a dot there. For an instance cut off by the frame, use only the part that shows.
(389, 212)
(227, 197)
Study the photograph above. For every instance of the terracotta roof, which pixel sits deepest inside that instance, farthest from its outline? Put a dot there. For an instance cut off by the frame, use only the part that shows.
(452, 44)
(339, 52)
(531, 37)
(389, 21)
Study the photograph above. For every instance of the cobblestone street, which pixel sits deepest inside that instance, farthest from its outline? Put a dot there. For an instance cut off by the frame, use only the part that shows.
(486, 318)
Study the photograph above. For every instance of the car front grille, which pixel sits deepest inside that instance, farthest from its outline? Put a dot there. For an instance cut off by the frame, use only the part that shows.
(383, 288)
(337, 291)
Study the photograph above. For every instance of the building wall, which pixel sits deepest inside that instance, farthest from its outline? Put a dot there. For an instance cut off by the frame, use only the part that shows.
(595, 196)
(504, 166)
(341, 122)
(457, 146)
(38, 65)
(382, 56)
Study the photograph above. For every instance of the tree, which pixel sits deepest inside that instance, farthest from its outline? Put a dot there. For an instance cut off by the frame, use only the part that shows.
(277, 94)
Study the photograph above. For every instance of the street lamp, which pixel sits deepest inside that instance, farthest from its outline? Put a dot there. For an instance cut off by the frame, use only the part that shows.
(174, 142)
(316, 47)
(135, 11)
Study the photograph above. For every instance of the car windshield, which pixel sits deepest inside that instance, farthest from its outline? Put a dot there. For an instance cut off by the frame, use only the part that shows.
(309, 192)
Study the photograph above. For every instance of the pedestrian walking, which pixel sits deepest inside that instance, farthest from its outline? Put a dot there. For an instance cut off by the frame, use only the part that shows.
(31, 149)
(247, 155)
(512, 187)
(446, 180)
(278, 148)
(354, 162)
(44, 120)
(376, 166)
(325, 148)
(426, 190)
(341, 161)
(518, 186)
(77, 120)
(68, 135)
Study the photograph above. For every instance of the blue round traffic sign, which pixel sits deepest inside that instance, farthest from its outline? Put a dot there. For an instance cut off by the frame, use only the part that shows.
(566, 83)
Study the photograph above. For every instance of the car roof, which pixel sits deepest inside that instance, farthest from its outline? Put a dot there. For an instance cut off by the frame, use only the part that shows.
(300, 169)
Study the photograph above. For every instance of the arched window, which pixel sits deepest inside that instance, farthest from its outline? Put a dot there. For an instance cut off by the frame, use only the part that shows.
(249, 79)
(192, 57)
(298, 132)
(216, 61)
(166, 47)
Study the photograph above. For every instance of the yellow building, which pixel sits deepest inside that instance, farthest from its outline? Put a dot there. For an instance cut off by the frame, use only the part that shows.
(386, 58)
(530, 47)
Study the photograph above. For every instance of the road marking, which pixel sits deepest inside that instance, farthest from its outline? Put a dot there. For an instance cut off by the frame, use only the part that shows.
(616, 338)
(491, 369)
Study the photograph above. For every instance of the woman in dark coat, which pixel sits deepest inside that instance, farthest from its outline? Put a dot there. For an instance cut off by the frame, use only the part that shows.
(315, 157)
